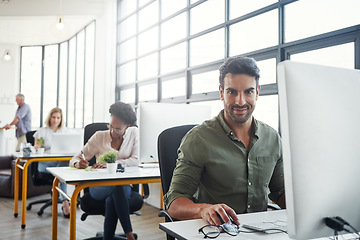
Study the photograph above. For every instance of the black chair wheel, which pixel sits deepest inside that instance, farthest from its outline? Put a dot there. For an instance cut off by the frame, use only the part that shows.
(23, 226)
(16, 215)
(40, 212)
(28, 207)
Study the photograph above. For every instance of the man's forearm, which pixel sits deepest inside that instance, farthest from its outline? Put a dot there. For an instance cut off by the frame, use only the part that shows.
(15, 121)
(184, 209)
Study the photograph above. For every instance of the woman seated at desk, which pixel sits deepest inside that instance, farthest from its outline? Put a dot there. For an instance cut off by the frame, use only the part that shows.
(122, 137)
(54, 124)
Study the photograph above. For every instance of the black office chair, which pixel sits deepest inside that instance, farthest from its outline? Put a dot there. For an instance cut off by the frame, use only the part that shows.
(168, 143)
(91, 206)
(39, 179)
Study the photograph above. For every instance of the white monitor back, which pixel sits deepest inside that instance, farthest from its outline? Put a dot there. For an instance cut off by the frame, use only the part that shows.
(66, 143)
(153, 118)
(320, 116)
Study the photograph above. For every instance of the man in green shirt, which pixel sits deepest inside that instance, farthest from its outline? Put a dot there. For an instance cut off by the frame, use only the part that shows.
(226, 165)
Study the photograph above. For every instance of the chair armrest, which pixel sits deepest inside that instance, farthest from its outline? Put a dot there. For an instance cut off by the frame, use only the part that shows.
(164, 213)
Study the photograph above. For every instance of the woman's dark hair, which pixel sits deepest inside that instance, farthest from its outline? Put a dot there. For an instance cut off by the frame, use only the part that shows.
(124, 112)
(239, 65)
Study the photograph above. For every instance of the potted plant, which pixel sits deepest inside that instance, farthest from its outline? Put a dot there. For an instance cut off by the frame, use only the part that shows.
(41, 142)
(110, 159)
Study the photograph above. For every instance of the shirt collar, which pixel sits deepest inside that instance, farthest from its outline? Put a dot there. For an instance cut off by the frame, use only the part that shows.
(230, 133)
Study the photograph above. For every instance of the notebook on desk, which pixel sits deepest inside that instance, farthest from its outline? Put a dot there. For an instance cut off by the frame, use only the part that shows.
(66, 143)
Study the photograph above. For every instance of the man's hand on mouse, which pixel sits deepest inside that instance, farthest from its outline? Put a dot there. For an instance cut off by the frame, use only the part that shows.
(210, 213)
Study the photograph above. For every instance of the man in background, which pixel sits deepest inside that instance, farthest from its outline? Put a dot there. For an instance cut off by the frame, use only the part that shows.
(22, 120)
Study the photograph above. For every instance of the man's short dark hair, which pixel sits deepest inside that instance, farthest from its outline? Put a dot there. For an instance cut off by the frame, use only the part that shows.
(239, 65)
(124, 112)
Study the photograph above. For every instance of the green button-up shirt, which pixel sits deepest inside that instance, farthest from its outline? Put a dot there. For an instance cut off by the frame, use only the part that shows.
(213, 166)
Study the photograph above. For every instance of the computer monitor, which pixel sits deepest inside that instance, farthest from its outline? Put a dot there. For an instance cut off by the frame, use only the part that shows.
(153, 118)
(320, 117)
(66, 143)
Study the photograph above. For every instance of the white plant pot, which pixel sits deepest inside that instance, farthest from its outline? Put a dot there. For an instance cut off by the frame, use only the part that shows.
(111, 167)
(41, 151)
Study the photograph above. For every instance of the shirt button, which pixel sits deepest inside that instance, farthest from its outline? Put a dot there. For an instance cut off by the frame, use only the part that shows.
(249, 183)
(248, 206)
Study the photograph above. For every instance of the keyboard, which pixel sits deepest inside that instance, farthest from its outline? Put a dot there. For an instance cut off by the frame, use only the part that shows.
(268, 227)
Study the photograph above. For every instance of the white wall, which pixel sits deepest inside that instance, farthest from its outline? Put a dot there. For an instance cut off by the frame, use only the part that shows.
(9, 86)
(105, 63)
(9, 82)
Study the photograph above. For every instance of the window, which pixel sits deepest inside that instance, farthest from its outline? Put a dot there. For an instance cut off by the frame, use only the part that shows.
(169, 33)
(67, 80)
(176, 51)
(127, 72)
(267, 71)
(50, 79)
(127, 95)
(170, 6)
(148, 92)
(173, 58)
(63, 80)
(31, 59)
(336, 56)
(254, 33)
(321, 16)
(148, 66)
(206, 15)
(241, 7)
(267, 111)
(173, 88)
(148, 16)
(207, 48)
(205, 82)
(148, 41)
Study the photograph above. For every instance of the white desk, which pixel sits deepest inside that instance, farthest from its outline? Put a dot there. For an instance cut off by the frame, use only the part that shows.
(82, 179)
(183, 230)
(28, 160)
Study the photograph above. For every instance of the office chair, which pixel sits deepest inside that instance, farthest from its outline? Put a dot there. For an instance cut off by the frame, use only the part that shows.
(168, 143)
(91, 206)
(39, 179)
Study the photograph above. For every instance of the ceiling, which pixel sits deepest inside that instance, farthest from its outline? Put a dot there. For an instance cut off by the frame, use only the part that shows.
(33, 22)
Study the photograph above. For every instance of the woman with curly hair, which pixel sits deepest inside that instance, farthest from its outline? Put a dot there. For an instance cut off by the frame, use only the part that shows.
(121, 137)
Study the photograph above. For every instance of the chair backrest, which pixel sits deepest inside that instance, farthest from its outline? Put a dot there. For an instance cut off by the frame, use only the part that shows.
(90, 129)
(30, 138)
(168, 143)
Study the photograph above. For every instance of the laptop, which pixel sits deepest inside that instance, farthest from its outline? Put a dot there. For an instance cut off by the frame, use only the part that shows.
(66, 143)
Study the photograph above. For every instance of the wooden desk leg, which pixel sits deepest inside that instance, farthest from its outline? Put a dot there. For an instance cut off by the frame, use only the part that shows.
(24, 194)
(73, 203)
(54, 208)
(16, 188)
